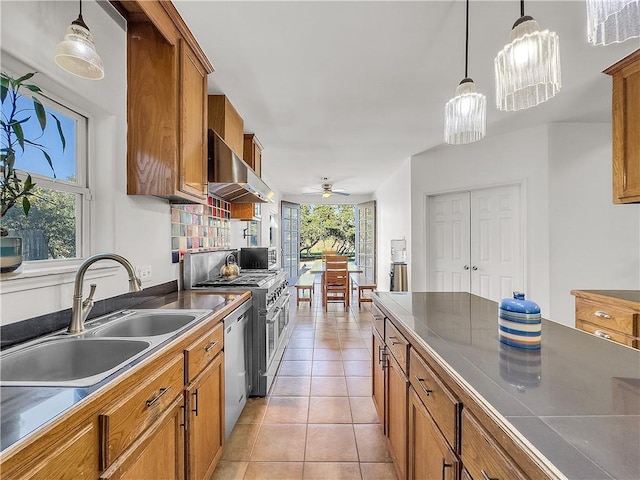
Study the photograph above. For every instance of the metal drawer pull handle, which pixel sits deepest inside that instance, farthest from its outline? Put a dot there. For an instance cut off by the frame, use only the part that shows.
(381, 354)
(487, 477)
(153, 400)
(210, 346)
(393, 342)
(602, 334)
(601, 314)
(423, 386)
(195, 396)
(445, 465)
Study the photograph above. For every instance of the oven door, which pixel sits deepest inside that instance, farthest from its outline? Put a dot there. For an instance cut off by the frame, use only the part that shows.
(271, 334)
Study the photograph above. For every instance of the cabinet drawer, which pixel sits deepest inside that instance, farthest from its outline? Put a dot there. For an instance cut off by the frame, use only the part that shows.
(443, 406)
(481, 454)
(202, 351)
(605, 332)
(621, 320)
(397, 344)
(378, 320)
(125, 420)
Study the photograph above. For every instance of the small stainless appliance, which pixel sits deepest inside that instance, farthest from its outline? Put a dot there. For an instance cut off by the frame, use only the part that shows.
(258, 258)
(269, 322)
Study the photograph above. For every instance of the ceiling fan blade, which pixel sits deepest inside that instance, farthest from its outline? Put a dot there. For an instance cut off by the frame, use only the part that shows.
(345, 194)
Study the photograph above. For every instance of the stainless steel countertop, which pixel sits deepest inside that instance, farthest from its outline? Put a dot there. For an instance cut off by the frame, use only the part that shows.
(583, 412)
(24, 410)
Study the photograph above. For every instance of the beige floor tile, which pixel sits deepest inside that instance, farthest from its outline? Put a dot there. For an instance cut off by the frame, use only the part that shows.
(239, 445)
(294, 368)
(287, 410)
(355, 354)
(302, 333)
(226, 470)
(298, 354)
(330, 443)
(280, 443)
(301, 343)
(253, 411)
(327, 354)
(329, 410)
(378, 471)
(327, 368)
(292, 386)
(331, 471)
(328, 387)
(359, 386)
(274, 471)
(363, 410)
(352, 343)
(372, 446)
(357, 368)
(327, 343)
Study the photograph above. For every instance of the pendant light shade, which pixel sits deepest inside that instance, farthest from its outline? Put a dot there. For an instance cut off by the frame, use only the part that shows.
(612, 21)
(77, 52)
(465, 115)
(528, 68)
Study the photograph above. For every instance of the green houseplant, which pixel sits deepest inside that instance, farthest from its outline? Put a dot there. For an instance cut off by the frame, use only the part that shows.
(15, 187)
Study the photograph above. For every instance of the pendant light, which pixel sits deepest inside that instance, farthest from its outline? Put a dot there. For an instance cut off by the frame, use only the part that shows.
(465, 115)
(612, 21)
(528, 68)
(77, 52)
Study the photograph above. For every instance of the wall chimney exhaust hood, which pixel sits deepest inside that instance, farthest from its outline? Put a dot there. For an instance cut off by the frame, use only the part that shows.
(232, 179)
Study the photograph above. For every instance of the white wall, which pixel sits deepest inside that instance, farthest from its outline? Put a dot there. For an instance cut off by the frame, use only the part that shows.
(500, 159)
(393, 210)
(136, 227)
(595, 244)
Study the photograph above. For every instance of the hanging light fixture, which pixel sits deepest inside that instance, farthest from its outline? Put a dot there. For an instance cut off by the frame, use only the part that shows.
(612, 21)
(528, 68)
(77, 52)
(465, 115)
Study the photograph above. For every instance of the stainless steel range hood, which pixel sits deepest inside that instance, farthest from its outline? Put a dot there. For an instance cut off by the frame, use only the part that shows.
(231, 178)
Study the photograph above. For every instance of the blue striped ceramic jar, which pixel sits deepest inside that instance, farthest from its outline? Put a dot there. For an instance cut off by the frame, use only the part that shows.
(519, 322)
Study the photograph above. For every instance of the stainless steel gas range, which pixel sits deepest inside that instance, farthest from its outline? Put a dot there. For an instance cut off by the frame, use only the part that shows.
(268, 331)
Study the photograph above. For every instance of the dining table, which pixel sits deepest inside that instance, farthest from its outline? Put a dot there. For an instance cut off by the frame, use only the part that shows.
(318, 266)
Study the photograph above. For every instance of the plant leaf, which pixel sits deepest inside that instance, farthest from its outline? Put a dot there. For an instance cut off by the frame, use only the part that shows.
(24, 77)
(26, 205)
(33, 88)
(50, 162)
(40, 112)
(17, 129)
(60, 132)
(3, 91)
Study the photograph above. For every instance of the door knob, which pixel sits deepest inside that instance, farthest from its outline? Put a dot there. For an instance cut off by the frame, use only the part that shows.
(466, 267)
(474, 268)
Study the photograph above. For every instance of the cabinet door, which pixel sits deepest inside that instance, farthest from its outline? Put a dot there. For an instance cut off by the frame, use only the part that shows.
(193, 139)
(379, 365)
(396, 427)
(158, 453)
(205, 434)
(430, 458)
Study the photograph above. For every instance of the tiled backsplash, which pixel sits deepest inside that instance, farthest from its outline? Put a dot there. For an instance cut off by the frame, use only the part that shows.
(198, 228)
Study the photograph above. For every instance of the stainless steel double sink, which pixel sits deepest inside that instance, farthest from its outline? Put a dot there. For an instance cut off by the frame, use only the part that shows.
(84, 359)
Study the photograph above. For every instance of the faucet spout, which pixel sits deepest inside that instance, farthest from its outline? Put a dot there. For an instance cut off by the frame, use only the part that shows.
(80, 309)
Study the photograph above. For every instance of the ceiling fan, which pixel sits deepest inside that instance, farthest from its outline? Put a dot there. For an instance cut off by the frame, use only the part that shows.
(328, 190)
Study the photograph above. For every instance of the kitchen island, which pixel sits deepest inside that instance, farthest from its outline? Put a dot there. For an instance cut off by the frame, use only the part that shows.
(569, 410)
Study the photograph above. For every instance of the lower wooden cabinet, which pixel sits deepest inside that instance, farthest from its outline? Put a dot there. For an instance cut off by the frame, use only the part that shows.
(158, 453)
(396, 427)
(205, 433)
(378, 367)
(430, 457)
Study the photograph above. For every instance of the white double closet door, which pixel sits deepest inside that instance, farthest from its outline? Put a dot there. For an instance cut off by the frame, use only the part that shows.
(475, 242)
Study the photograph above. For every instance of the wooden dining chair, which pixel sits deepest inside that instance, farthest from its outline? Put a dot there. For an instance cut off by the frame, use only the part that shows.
(336, 280)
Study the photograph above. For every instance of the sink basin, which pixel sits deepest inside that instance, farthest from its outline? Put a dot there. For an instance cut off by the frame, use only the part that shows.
(68, 361)
(145, 324)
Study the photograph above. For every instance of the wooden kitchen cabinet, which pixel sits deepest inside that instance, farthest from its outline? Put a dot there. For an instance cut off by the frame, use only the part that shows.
(626, 125)
(166, 104)
(396, 414)
(430, 457)
(247, 212)
(205, 433)
(252, 153)
(224, 119)
(379, 366)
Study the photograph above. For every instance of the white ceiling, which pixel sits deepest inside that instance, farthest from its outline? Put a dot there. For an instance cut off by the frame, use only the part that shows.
(349, 90)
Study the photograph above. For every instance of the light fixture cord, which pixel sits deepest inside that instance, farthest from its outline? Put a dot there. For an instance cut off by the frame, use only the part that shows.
(466, 46)
(522, 8)
(80, 9)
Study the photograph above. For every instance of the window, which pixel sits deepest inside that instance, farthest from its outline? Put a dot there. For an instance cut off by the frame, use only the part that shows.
(53, 229)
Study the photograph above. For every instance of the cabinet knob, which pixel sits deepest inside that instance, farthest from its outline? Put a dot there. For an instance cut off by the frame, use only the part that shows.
(601, 314)
(602, 334)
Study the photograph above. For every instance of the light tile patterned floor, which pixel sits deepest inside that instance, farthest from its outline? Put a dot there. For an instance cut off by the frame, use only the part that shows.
(319, 422)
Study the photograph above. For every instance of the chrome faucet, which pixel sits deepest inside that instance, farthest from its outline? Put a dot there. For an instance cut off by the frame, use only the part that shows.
(80, 310)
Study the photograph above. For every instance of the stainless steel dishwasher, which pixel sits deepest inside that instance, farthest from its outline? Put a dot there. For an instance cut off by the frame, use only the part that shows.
(237, 359)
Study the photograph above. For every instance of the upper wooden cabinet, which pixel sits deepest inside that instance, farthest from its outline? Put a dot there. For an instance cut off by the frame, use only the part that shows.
(226, 122)
(167, 110)
(253, 153)
(626, 125)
